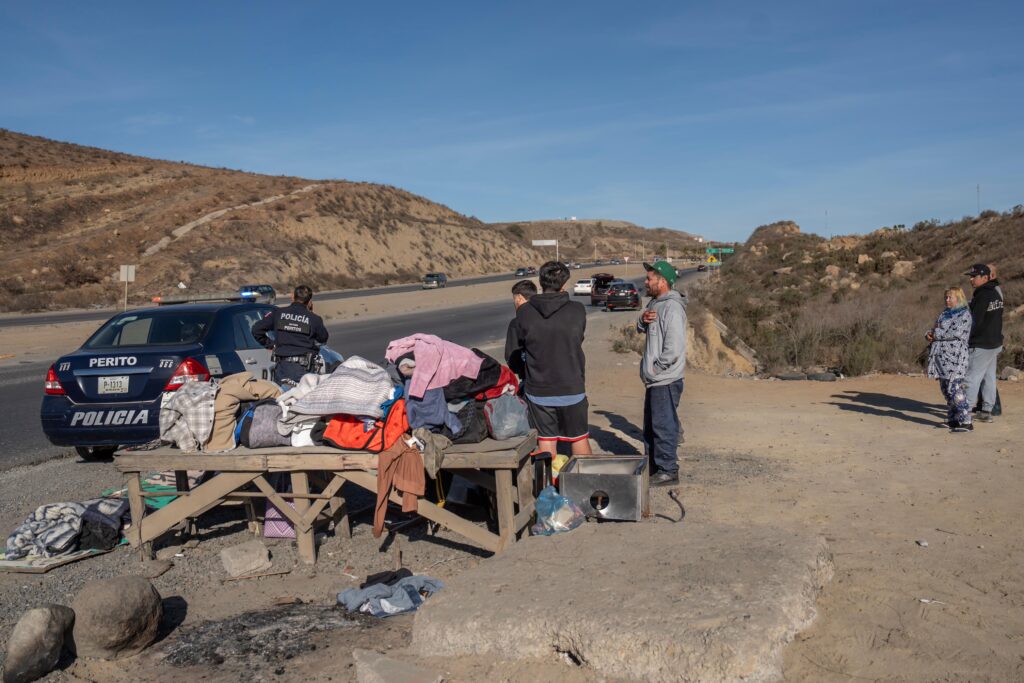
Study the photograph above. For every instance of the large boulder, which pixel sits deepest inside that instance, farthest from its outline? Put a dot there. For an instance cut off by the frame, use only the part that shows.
(902, 268)
(116, 617)
(1010, 374)
(36, 642)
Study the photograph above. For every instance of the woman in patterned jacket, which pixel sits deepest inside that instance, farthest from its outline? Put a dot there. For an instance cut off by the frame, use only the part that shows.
(947, 358)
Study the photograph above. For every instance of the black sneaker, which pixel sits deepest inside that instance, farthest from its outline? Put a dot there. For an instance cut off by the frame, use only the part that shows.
(983, 416)
(960, 427)
(664, 479)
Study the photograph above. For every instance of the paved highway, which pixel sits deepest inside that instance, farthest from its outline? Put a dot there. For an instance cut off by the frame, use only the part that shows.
(100, 315)
(22, 441)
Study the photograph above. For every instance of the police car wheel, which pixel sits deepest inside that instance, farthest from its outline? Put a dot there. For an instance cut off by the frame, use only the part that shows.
(95, 453)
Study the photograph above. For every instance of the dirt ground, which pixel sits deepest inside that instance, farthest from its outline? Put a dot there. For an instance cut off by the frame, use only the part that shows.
(863, 462)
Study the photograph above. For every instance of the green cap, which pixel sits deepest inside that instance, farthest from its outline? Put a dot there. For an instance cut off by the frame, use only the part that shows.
(664, 269)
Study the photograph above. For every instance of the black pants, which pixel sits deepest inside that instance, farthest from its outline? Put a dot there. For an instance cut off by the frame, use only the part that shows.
(287, 372)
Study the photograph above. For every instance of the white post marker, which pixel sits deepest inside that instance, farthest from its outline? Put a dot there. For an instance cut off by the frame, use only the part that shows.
(127, 275)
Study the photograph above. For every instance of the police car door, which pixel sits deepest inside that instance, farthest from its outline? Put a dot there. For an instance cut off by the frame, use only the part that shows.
(255, 358)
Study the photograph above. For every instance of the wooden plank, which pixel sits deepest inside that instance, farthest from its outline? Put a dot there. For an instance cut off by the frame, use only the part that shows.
(147, 462)
(33, 564)
(477, 535)
(491, 460)
(137, 507)
(278, 499)
(506, 515)
(327, 496)
(312, 462)
(206, 495)
(524, 485)
(305, 538)
(522, 518)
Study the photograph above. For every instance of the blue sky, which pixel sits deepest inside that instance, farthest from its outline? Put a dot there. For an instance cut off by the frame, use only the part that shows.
(713, 117)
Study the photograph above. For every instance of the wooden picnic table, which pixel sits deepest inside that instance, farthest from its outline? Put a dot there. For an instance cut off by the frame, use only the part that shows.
(503, 467)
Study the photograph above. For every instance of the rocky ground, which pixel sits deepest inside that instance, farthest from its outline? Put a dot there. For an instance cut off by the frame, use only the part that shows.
(861, 462)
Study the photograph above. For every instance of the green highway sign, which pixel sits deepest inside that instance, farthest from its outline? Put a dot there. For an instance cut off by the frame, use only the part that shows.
(727, 250)
(720, 250)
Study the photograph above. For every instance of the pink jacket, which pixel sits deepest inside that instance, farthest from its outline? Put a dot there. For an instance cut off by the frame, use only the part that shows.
(438, 362)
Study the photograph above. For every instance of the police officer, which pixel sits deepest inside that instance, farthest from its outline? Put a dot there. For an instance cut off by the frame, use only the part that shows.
(298, 331)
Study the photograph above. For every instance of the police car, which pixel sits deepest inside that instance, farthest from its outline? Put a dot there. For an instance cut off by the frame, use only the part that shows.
(108, 393)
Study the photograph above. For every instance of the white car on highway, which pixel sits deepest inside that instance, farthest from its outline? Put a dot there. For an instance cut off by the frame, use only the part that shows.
(583, 287)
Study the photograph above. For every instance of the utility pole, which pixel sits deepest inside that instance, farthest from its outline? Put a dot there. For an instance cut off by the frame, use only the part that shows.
(979, 198)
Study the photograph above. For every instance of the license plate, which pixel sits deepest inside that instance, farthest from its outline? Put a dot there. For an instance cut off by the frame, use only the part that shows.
(114, 385)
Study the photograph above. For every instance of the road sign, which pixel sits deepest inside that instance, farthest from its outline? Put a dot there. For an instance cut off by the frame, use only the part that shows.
(545, 243)
(726, 250)
(712, 259)
(127, 274)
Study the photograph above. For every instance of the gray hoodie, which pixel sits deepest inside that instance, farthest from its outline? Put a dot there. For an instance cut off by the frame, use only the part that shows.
(665, 352)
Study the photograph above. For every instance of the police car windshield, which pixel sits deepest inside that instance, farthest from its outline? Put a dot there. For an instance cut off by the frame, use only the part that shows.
(146, 328)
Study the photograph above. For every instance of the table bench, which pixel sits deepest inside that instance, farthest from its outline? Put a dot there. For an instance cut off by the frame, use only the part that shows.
(503, 467)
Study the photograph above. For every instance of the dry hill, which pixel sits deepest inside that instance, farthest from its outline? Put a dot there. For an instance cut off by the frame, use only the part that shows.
(863, 303)
(70, 215)
(602, 238)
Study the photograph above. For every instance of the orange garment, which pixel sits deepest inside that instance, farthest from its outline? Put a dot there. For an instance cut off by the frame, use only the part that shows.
(400, 467)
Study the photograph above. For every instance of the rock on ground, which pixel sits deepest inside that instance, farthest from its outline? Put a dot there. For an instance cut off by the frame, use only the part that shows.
(373, 667)
(656, 601)
(116, 617)
(35, 645)
(246, 558)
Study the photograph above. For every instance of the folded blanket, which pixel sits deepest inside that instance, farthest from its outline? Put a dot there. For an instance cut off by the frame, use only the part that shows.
(51, 530)
(356, 387)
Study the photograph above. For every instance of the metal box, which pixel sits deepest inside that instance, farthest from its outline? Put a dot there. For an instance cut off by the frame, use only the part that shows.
(608, 486)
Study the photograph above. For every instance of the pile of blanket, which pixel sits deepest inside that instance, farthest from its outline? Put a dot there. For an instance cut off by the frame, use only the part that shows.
(60, 528)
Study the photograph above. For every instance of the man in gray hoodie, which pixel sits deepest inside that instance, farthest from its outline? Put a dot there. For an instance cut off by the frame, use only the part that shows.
(664, 323)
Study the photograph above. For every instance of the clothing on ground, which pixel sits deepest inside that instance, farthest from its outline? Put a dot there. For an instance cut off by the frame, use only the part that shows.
(664, 358)
(550, 329)
(948, 354)
(438, 362)
(50, 530)
(186, 415)
(382, 600)
(661, 426)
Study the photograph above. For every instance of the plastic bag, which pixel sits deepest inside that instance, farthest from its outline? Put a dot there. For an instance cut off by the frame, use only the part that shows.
(555, 513)
(506, 417)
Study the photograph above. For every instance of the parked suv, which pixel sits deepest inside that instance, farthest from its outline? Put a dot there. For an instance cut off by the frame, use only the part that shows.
(435, 280)
(583, 287)
(599, 291)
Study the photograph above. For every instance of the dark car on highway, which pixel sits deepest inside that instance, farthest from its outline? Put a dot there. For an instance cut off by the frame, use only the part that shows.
(522, 272)
(435, 281)
(108, 392)
(599, 292)
(622, 295)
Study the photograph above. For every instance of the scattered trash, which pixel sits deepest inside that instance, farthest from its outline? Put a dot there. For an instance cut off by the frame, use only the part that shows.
(179, 554)
(921, 542)
(258, 576)
(555, 513)
(929, 601)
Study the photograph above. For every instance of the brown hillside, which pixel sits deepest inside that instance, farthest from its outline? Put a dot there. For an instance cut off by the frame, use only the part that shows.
(70, 215)
(863, 303)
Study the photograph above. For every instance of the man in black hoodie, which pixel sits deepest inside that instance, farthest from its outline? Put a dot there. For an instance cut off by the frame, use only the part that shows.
(986, 340)
(549, 330)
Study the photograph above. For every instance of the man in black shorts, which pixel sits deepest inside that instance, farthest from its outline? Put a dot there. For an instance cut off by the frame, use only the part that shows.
(550, 329)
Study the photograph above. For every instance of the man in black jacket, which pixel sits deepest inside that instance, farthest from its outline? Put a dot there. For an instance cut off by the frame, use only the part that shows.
(549, 329)
(986, 340)
(522, 291)
(298, 331)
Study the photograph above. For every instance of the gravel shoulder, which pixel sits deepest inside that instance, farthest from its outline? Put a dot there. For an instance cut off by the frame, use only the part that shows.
(861, 462)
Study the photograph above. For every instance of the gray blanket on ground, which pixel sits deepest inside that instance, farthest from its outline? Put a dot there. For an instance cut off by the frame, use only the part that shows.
(382, 600)
(51, 530)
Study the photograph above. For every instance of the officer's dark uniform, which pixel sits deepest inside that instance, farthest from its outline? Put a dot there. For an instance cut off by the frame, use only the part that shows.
(297, 331)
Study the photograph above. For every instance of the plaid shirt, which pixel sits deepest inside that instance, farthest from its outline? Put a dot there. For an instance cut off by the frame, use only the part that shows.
(186, 415)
